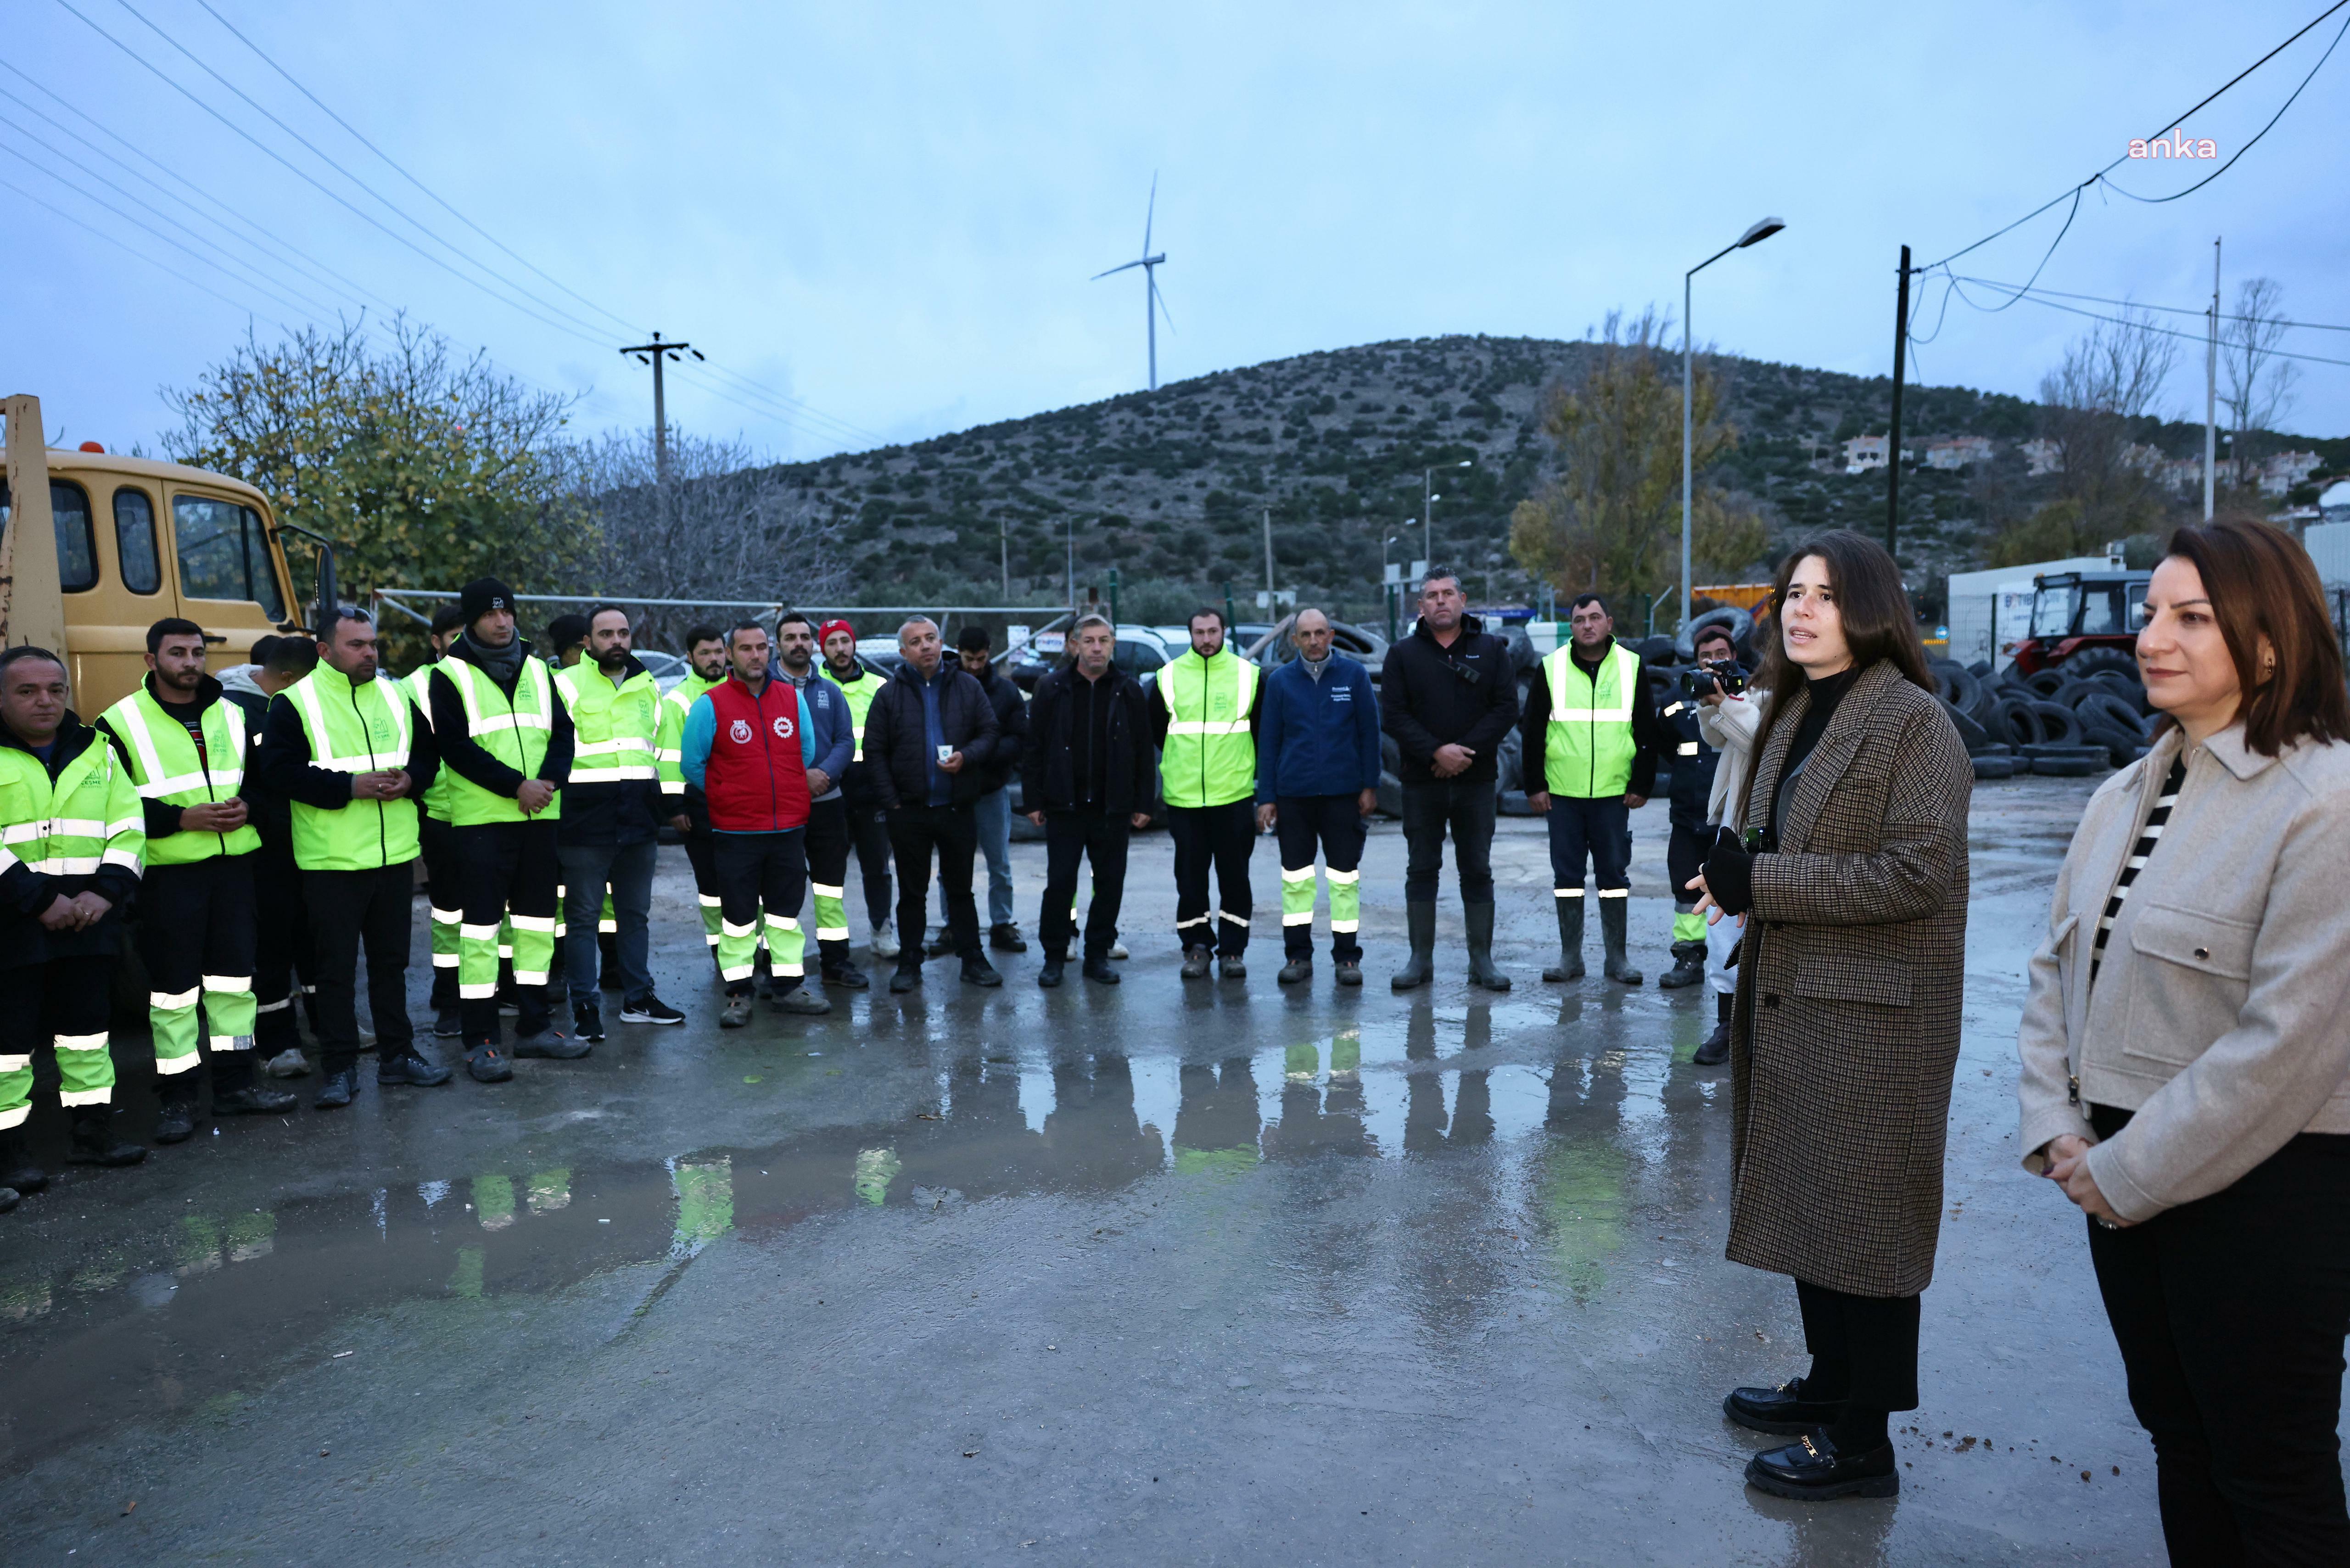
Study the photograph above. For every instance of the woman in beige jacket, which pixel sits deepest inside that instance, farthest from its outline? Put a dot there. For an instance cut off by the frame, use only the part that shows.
(2185, 1048)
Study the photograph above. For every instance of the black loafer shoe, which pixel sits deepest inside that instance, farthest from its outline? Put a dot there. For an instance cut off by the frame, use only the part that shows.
(1097, 970)
(1813, 1470)
(257, 1101)
(1781, 1411)
(336, 1091)
(176, 1123)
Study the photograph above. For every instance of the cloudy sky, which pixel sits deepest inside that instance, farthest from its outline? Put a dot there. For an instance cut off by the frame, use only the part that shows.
(880, 221)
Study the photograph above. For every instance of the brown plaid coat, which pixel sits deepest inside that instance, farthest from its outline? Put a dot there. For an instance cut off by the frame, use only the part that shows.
(1846, 1028)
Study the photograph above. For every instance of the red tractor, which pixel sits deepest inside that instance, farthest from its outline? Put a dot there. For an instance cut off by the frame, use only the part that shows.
(2084, 622)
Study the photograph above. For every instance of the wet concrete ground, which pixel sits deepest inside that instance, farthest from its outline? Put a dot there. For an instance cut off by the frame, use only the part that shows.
(1206, 1273)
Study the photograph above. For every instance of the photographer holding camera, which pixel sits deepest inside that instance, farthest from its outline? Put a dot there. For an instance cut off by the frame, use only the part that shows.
(1713, 679)
(1725, 712)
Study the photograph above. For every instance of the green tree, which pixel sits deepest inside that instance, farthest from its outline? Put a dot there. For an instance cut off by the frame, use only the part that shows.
(1610, 522)
(425, 468)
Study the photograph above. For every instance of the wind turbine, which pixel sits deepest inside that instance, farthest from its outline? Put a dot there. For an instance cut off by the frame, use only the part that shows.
(1152, 305)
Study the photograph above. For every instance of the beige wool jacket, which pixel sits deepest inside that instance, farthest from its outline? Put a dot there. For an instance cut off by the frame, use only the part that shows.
(2220, 1013)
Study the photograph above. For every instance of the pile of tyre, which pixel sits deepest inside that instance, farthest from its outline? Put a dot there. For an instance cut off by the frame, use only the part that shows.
(2082, 717)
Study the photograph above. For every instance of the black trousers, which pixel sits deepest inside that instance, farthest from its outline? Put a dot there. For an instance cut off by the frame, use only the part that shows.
(444, 878)
(916, 832)
(285, 956)
(2230, 1311)
(1864, 1348)
(1466, 810)
(827, 867)
(1072, 838)
(1684, 858)
(1332, 823)
(197, 919)
(348, 908)
(1222, 837)
(508, 868)
(868, 831)
(756, 869)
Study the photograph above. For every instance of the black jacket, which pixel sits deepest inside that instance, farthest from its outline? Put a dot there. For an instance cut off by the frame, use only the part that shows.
(1692, 761)
(266, 806)
(623, 811)
(465, 758)
(897, 746)
(1650, 741)
(1011, 729)
(1431, 696)
(24, 893)
(1049, 775)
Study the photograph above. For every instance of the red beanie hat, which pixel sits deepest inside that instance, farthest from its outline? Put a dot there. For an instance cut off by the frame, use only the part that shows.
(824, 633)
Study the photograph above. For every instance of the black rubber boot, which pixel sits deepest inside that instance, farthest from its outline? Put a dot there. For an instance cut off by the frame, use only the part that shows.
(1614, 916)
(1570, 942)
(1482, 973)
(15, 1173)
(1419, 922)
(1716, 1049)
(1689, 967)
(94, 1140)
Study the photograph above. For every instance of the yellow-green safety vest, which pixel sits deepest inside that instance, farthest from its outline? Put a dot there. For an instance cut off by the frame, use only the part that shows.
(166, 766)
(353, 729)
(670, 745)
(1210, 758)
(88, 818)
(616, 730)
(518, 734)
(1587, 752)
(861, 693)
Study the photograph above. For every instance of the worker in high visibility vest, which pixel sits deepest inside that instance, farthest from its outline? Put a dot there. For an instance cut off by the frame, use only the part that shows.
(506, 737)
(1590, 745)
(687, 808)
(343, 746)
(868, 823)
(185, 746)
(70, 835)
(1203, 714)
(609, 838)
(444, 869)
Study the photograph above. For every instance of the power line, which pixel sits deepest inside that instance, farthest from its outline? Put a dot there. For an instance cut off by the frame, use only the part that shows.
(2169, 309)
(2247, 147)
(151, 261)
(2125, 321)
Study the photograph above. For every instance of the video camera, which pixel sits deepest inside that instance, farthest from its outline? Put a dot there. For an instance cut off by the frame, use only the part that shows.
(1724, 675)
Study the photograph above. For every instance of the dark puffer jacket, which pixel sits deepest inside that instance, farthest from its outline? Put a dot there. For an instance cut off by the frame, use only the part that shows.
(898, 745)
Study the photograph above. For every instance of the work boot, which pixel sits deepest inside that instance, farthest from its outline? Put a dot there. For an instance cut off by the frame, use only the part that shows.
(1613, 913)
(1231, 966)
(8, 1200)
(1006, 939)
(488, 1065)
(977, 970)
(95, 1141)
(806, 1000)
(1689, 967)
(1419, 923)
(254, 1100)
(737, 1014)
(1716, 1049)
(15, 1173)
(176, 1123)
(1097, 970)
(411, 1067)
(1482, 973)
(846, 976)
(1050, 975)
(552, 1045)
(340, 1087)
(1350, 972)
(1570, 942)
(884, 942)
(908, 977)
(1195, 963)
(1297, 972)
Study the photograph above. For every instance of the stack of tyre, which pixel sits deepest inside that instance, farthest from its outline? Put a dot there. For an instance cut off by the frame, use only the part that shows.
(2085, 715)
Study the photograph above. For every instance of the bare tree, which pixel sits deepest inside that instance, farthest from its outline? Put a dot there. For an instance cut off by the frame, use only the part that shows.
(726, 528)
(2260, 384)
(2092, 406)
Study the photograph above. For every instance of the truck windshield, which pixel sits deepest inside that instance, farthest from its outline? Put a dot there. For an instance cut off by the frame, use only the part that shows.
(2053, 609)
(223, 554)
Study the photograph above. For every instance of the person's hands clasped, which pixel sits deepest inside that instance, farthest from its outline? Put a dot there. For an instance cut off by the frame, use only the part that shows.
(1452, 760)
(533, 796)
(2068, 1167)
(213, 817)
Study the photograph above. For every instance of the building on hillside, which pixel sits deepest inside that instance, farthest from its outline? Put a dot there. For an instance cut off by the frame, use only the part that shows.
(1957, 451)
(2043, 456)
(2183, 475)
(1862, 453)
(2287, 469)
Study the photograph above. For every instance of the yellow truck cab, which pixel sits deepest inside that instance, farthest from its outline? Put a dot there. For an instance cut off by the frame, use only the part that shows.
(94, 548)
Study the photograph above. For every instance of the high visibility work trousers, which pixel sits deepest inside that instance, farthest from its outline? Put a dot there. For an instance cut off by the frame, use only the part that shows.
(761, 876)
(445, 876)
(511, 873)
(348, 908)
(196, 938)
(62, 1004)
(702, 853)
(285, 957)
(1221, 836)
(1334, 824)
(1597, 833)
(1684, 858)
(827, 864)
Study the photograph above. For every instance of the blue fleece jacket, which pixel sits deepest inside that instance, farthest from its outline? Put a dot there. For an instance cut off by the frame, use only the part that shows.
(1318, 737)
(826, 741)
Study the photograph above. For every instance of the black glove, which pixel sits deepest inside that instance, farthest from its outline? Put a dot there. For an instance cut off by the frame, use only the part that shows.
(1730, 874)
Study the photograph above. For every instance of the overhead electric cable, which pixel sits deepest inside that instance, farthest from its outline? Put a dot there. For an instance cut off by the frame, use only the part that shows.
(2142, 326)
(2198, 310)
(2247, 147)
(151, 261)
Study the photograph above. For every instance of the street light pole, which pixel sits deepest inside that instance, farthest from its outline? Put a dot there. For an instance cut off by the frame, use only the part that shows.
(1753, 235)
(1427, 499)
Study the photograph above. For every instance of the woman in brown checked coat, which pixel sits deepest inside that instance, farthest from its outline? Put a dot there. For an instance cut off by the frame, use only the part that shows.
(1852, 878)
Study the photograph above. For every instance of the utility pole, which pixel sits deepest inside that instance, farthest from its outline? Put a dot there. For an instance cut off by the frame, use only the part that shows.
(1893, 444)
(2211, 388)
(1271, 593)
(652, 354)
(1004, 538)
